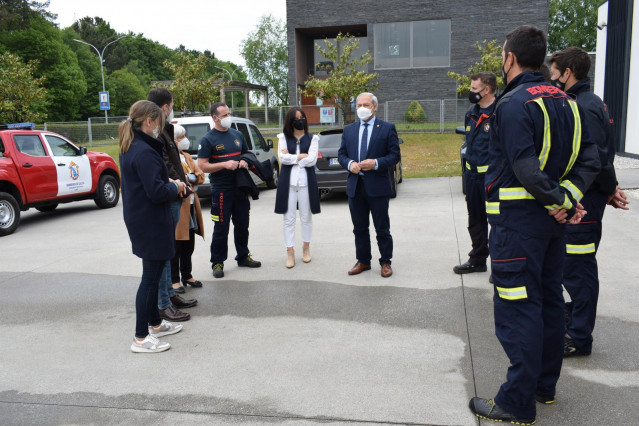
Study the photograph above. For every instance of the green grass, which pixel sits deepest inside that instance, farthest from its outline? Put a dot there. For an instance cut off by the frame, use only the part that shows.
(423, 154)
(430, 155)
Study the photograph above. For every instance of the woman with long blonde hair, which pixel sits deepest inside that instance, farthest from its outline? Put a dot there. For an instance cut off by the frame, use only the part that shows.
(146, 193)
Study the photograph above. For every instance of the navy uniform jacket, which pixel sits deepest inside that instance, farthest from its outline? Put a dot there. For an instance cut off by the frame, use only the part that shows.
(602, 133)
(383, 146)
(218, 147)
(541, 157)
(477, 137)
(146, 192)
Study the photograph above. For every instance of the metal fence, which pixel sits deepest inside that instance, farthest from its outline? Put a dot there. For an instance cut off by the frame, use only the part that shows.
(95, 131)
(419, 116)
(438, 116)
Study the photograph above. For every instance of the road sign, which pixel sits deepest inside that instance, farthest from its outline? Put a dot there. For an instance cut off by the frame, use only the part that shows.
(104, 101)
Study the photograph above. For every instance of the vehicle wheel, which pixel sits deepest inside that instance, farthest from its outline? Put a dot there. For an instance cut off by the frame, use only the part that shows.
(393, 184)
(272, 184)
(9, 214)
(49, 208)
(108, 193)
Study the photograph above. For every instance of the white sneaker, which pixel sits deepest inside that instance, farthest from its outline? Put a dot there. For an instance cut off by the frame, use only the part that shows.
(149, 344)
(166, 328)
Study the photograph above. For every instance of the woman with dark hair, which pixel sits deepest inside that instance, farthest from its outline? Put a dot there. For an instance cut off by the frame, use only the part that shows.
(146, 194)
(297, 188)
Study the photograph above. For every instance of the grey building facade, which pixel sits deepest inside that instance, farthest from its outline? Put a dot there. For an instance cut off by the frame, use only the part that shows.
(414, 43)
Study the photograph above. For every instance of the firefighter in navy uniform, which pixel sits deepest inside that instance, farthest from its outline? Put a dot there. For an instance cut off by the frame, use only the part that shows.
(482, 95)
(569, 69)
(541, 158)
(219, 155)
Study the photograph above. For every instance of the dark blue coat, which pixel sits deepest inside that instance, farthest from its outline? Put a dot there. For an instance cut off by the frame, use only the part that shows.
(146, 193)
(383, 147)
(602, 133)
(477, 137)
(541, 157)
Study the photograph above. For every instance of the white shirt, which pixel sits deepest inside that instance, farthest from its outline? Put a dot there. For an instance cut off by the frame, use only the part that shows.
(298, 171)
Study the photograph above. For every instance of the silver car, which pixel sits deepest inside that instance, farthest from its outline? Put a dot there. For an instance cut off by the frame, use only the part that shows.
(199, 125)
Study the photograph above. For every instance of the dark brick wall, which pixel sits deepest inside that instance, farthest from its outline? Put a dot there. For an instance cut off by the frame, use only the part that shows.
(470, 22)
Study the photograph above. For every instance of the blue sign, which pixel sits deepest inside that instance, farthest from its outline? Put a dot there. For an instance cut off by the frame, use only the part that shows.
(104, 101)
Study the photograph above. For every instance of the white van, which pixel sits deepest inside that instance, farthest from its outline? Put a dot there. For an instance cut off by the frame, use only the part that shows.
(199, 125)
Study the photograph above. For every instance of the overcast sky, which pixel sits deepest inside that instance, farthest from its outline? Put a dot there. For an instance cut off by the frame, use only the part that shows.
(218, 26)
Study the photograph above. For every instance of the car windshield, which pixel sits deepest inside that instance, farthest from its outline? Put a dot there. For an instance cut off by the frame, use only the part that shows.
(330, 141)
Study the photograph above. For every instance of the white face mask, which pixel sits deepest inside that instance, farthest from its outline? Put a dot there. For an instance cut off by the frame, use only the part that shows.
(184, 144)
(170, 117)
(364, 113)
(156, 132)
(226, 122)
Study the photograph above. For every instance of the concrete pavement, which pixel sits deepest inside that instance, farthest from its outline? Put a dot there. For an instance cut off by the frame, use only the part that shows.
(302, 346)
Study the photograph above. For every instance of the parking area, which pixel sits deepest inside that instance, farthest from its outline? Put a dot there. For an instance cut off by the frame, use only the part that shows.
(301, 346)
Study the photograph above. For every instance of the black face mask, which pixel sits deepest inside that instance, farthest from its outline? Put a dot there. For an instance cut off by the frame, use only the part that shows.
(474, 97)
(504, 74)
(558, 84)
(299, 124)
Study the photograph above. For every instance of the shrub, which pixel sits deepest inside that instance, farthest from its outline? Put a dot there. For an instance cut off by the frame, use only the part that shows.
(415, 113)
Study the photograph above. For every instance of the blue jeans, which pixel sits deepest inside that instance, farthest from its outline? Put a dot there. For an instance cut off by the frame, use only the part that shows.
(147, 297)
(165, 291)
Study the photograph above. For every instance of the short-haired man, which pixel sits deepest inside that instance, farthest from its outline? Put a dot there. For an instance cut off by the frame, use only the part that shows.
(541, 159)
(482, 96)
(569, 70)
(369, 148)
(170, 303)
(220, 150)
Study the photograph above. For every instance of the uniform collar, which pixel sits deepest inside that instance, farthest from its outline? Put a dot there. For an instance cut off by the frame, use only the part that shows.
(581, 86)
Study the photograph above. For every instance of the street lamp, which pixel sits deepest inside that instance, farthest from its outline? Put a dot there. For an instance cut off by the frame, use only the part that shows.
(230, 79)
(101, 56)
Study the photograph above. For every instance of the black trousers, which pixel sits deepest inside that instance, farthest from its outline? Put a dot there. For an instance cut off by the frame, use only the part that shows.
(181, 262)
(477, 220)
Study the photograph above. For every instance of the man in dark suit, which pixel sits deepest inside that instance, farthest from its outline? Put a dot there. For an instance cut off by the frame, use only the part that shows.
(370, 147)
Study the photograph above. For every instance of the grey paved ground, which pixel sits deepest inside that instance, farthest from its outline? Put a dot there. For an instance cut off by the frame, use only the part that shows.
(303, 346)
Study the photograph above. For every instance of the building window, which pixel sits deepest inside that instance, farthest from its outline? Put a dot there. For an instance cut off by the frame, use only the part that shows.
(418, 44)
(322, 65)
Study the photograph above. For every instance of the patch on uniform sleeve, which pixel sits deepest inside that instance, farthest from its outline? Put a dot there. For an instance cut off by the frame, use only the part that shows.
(468, 128)
(486, 127)
(238, 143)
(219, 147)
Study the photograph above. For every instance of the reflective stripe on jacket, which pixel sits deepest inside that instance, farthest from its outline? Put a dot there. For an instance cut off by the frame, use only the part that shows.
(541, 157)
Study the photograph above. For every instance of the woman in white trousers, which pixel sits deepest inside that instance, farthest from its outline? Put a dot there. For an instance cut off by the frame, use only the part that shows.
(297, 187)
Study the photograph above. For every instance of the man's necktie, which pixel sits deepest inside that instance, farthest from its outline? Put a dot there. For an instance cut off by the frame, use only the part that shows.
(363, 146)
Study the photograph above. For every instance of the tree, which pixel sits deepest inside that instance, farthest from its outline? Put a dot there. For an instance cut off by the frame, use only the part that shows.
(572, 23)
(125, 90)
(98, 32)
(265, 52)
(17, 14)
(65, 83)
(22, 96)
(90, 65)
(415, 113)
(190, 90)
(346, 78)
(490, 60)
